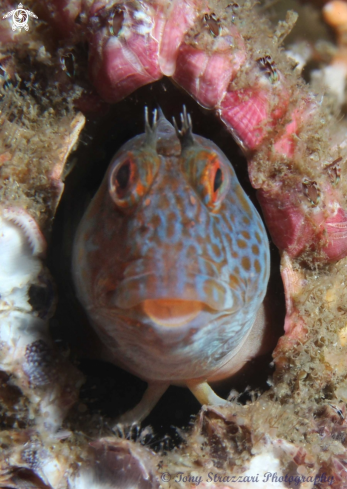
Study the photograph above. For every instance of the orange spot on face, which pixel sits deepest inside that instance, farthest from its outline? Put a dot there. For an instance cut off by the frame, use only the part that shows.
(234, 254)
(246, 234)
(255, 250)
(241, 244)
(257, 266)
(242, 200)
(246, 264)
(246, 221)
(155, 221)
(216, 249)
(257, 237)
(234, 281)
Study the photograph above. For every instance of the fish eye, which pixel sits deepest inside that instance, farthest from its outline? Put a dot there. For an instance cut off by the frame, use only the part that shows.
(122, 178)
(218, 179)
(213, 181)
(130, 177)
(208, 174)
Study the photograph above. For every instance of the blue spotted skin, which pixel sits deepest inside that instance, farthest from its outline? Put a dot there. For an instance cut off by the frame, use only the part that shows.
(171, 237)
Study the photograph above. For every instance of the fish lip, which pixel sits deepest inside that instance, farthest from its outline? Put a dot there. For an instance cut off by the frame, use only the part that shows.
(171, 313)
(136, 290)
(140, 281)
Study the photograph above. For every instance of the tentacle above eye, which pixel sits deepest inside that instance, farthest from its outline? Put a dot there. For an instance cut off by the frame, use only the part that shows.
(185, 134)
(151, 130)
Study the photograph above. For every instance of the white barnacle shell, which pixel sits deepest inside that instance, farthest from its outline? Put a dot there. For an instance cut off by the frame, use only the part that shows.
(21, 242)
(26, 349)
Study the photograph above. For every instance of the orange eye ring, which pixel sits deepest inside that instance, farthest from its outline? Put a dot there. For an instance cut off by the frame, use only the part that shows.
(209, 174)
(121, 182)
(217, 177)
(213, 180)
(122, 178)
(130, 176)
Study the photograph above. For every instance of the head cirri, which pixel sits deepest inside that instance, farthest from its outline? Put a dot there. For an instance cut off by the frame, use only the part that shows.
(171, 259)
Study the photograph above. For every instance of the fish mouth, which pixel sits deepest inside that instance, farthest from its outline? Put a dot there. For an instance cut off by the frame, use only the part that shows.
(171, 313)
(170, 295)
(199, 288)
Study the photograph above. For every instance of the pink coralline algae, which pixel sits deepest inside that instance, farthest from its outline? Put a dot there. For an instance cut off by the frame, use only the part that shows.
(206, 74)
(249, 115)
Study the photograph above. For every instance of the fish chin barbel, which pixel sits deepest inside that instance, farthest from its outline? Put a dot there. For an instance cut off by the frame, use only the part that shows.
(171, 261)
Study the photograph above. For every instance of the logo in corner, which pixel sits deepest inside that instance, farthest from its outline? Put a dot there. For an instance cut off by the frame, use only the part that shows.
(20, 18)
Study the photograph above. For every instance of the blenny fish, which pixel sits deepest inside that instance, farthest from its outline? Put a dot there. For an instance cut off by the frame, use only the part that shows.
(171, 262)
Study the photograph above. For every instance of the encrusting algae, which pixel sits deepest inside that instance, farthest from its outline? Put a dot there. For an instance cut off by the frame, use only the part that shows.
(295, 146)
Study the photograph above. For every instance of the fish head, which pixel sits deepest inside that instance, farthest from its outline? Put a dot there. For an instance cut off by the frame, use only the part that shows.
(171, 248)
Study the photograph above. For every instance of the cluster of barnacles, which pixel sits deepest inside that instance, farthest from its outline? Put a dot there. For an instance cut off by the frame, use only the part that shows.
(227, 58)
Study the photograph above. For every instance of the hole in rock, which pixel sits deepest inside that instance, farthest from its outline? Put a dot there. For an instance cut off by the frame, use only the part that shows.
(109, 390)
